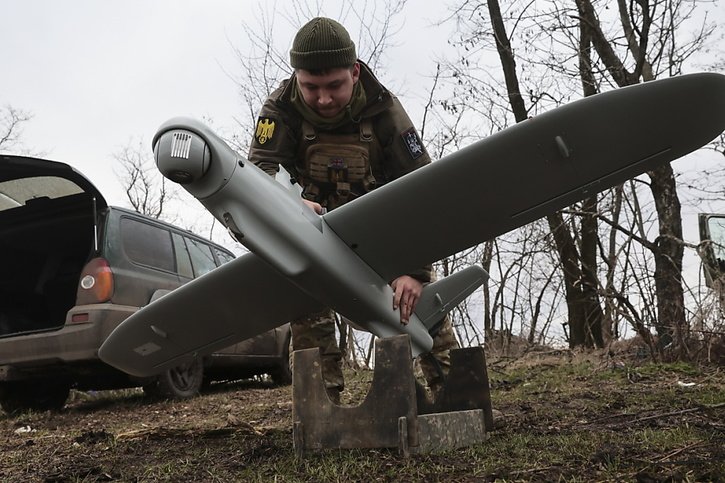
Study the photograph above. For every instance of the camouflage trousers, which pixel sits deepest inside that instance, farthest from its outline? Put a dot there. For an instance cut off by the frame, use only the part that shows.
(436, 364)
(318, 330)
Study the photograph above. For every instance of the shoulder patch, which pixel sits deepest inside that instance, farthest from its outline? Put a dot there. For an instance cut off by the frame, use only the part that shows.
(265, 129)
(413, 143)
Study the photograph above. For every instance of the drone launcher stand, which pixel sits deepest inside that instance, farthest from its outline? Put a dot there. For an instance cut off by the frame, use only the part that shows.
(396, 411)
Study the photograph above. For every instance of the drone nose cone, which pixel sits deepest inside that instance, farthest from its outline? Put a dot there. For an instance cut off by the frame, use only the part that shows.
(182, 156)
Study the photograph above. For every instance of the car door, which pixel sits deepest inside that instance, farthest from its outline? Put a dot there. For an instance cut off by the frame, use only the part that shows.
(142, 258)
(712, 247)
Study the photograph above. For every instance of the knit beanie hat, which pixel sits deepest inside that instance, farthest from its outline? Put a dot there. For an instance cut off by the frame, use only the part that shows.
(322, 43)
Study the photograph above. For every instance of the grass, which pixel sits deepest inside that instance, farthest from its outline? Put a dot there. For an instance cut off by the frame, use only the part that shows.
(581, 422)
(570, 419)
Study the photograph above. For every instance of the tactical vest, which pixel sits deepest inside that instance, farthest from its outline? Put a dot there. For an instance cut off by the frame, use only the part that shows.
(337, 168)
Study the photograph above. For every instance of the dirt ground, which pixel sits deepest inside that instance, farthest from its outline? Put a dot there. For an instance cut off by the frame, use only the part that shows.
(565, 420)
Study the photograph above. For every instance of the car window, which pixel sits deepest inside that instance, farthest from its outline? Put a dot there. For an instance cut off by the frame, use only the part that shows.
(712, 251)
(147, 244)
(183, 260)
(201, 257)
(17, 192)
(716, 226)
(223, 257)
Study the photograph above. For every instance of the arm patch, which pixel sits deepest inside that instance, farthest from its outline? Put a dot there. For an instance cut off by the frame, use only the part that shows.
(412, 143)
(265, 130)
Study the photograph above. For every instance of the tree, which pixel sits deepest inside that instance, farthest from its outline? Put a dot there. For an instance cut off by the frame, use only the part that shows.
(11, 123)
(559, 42)
(146, 190)
(578, 261)
(654, 47)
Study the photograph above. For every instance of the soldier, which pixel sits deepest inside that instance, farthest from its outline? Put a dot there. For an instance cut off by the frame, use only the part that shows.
(340, 134)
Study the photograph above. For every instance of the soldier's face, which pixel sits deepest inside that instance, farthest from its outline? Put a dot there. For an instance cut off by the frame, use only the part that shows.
(328, 93)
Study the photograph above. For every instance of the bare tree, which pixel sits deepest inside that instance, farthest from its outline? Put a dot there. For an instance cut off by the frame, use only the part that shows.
(11, 127)
(577, 260)
(654, 47)
(555, 43)
(146, 190)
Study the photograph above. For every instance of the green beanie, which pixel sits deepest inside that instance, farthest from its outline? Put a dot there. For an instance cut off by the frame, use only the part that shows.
(322, 43)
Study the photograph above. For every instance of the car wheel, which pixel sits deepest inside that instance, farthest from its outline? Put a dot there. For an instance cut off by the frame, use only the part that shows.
(180, 382)
(282, 374)
(38, 395)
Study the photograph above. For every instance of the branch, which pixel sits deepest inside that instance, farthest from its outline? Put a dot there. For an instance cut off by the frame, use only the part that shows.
(603, 47)
(10, 121)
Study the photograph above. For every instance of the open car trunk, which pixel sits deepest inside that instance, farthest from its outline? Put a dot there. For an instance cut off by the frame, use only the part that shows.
(48, 213)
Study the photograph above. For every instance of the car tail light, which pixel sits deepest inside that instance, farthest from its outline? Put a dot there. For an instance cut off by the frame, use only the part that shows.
(96, 284)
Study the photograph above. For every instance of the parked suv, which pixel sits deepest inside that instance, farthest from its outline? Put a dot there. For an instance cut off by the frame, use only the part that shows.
(72, 268)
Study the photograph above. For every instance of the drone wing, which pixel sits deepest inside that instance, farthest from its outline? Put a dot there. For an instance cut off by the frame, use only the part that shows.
(239, 300)
(530, 170)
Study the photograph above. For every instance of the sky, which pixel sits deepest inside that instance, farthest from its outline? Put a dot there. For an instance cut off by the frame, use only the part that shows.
(98, 75)
(95, 75)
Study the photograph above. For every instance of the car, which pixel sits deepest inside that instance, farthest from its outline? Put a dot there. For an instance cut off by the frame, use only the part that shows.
(73, 268)
(712, 249)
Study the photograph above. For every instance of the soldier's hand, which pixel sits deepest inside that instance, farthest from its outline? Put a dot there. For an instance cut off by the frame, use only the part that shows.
(316, 207)
(407, 292)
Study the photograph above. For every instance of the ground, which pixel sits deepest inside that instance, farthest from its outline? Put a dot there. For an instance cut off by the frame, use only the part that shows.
(568, 417)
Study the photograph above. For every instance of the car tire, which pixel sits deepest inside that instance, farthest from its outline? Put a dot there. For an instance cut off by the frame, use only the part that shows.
(180, 382)
(282, 374)
(37, 395)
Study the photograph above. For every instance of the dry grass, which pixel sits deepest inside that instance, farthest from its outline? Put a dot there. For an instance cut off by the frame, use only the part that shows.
(569, 417)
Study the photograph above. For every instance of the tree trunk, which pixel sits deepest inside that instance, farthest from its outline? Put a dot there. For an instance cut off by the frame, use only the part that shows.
(584, 317)
(671, 325)
(486, 264)
(589, 227)
(590, 282)
(569, 259)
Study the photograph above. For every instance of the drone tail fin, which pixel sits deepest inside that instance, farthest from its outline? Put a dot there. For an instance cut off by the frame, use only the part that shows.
(441, 296)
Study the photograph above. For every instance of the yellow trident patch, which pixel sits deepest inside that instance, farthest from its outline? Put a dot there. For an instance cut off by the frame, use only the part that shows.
(265, 130)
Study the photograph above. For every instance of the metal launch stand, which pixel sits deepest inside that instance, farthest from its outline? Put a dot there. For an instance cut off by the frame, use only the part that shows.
(396, 411)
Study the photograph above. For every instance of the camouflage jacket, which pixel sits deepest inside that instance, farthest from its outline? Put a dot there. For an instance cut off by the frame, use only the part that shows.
(279, 139)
